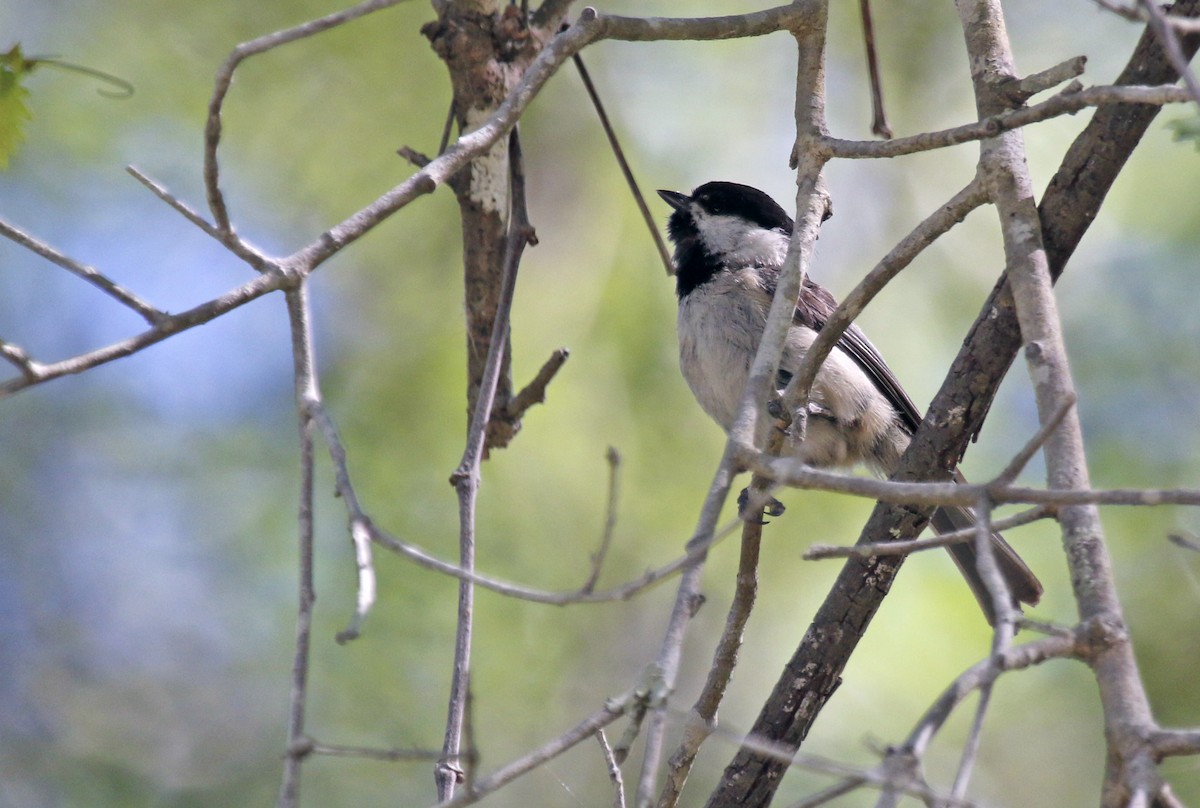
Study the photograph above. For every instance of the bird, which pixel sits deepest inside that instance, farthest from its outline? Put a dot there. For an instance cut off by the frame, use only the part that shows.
(729, 246)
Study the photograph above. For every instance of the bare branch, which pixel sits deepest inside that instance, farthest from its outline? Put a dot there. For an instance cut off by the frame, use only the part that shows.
(360, 528)
(1020, 90)
(1169, 38)
(298, 745)
(1031, 447)
(626, 171)
(614, 770)
(1035, 443)
(623, 592)
(271, 281)
(1135, 13)
(237, 246)
(585, 729)
(1188, 542)
(687, 601)
(879, 125)
(1126, 706)
(787, 471)
(590, 27)
(1003, 629)
(16, 356)
(447, 128)
(982, 673)
(535, 391)
(1175, 742)
(700, 721)
(818, 552)
(465, 478)
(1067, 102)
(389, 755)
(212, 128)
(90, 274)
(610, 520)
(796, 395)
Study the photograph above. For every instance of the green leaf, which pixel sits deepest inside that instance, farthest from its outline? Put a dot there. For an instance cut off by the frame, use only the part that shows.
(1187, 129)
(14, 102)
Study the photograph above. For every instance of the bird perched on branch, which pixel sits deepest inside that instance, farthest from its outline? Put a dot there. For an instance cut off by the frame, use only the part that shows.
(730, 242)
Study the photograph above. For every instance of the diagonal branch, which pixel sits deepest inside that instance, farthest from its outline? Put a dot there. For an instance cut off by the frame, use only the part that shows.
(933, 227)
(90, 274)
(271, 281)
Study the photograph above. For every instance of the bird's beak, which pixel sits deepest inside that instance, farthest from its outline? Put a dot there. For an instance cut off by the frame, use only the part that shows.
(675, 199)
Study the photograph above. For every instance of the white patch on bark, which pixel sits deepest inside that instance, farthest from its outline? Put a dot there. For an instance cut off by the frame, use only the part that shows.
(489, 171)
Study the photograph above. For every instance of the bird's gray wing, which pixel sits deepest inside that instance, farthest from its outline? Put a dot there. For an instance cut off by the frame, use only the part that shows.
(814, 309)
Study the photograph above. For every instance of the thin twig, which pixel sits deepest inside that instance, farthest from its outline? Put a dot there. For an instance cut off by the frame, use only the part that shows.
(585, 729)
(832, 793)
(16, 356)
(626, 171)
(212, 127)
(1186, 542)
(1169, 38)
(819, 552)
(1172, 742)
(617, 593)
(535, 391)
(610, 520)
(360, 535)
(446, 130)
(1021, 90)
(1135, 13)
(238, 246)
(879, 124)
(95, 277)
(687, 601)
(124, 88)
(1015, 658)
(937, 224)
(371, 753)
(614, 770)
(1070, 100)
(700, 721)
(169, 325)
(1035, 443)
(1002, 635)
(360, 529)
(298, 745)
(790, 472)
(466, 476)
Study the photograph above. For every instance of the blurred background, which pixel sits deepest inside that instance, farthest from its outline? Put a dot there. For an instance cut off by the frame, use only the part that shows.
(147, 508)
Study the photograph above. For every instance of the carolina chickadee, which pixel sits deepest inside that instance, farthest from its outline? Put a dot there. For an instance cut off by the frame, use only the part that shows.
(730, 241)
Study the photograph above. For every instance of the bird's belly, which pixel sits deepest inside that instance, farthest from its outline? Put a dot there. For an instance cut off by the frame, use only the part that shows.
(717, 342)
(849, 419)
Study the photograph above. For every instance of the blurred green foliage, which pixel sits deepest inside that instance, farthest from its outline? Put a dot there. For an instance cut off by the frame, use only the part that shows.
(14, 101)
(147, 582)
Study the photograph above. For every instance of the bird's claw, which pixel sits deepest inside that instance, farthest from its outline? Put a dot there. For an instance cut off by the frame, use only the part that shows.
(772, 507)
